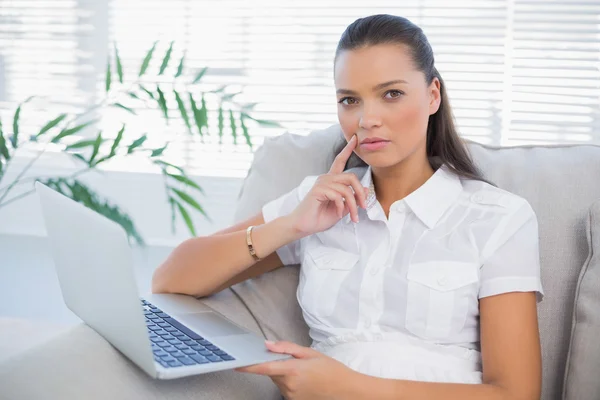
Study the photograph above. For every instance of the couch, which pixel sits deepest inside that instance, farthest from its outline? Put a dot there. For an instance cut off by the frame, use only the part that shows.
(561, 182)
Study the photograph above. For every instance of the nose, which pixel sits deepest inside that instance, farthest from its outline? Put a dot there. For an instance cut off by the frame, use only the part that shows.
(370, 118)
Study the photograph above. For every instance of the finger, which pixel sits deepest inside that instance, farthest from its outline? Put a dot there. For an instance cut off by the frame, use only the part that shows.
(292, 349)
(272, 368)
(336, 197)
(352, 180)
(349, 198)
(342, 158)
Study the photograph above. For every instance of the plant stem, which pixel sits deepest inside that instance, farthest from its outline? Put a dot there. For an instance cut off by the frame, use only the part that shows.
(23, 172)
(17, 198)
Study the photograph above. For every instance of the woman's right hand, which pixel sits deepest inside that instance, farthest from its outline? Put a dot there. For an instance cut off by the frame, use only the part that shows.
(332, 197)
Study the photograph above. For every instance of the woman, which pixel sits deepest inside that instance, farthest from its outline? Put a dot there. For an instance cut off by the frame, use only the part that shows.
(418, 279)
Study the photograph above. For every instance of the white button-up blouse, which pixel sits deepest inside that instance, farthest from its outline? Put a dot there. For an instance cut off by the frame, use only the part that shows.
(420, 272)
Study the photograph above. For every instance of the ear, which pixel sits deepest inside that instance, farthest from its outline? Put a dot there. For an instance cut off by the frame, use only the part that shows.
(435, 96)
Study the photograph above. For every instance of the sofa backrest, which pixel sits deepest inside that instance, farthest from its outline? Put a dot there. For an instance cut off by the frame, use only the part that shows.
(560, 182)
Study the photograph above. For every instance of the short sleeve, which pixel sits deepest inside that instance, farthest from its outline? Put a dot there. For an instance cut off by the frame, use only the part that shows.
(513, 263)
(290, 254)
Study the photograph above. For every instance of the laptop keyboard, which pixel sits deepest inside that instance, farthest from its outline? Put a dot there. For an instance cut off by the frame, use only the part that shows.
(174, 345)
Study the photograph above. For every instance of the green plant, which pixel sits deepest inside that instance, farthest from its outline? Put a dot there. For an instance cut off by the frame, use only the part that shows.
(176, 99)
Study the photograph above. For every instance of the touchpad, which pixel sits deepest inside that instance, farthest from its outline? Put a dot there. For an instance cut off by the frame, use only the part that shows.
(210, 323)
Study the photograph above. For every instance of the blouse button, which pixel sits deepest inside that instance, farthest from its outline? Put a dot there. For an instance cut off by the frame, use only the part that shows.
(442, 280)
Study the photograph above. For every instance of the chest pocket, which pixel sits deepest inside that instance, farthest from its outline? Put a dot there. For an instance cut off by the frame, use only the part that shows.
(322, 274)
(440, 296)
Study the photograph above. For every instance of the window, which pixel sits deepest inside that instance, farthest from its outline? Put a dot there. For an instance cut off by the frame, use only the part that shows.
(517, 71)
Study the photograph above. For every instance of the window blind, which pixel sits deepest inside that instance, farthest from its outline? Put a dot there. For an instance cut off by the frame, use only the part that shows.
(517, 71)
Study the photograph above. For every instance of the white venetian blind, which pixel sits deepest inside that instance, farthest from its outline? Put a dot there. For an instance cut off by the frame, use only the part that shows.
(517, 71)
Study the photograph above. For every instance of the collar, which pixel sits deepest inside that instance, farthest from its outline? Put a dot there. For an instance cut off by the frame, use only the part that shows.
(429, 202)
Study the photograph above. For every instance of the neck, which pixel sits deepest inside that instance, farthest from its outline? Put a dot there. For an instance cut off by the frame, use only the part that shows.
(398, 181)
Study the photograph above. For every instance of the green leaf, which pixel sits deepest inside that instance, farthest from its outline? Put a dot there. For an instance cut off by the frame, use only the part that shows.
(81, 144)
(147, 59)
(108, 76)
(186, 218)
(133, 95)
(165, 60)
(162, 103)
(219, 90)
(262, 122)
(14, 139)
(165, 164)
(86, 196)
(3, 148)
(229, 96)
(136, 143)
(79, 156)
(200, 75)
(196, 114)
(115, 144)
(187, 181)
(182, 110)
(172, 203)
(159, 152)
(119, 65)
(51, 124)
(233, 126)
(190, 200)
(180, 67)
(204, 113)
(123, 107)
(249, 106)
(70, 131)
(221, 123)
(95, 150)
(149, 93)
(245, 132)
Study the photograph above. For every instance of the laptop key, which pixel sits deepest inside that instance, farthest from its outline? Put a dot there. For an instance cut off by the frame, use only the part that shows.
(204, 342)
(214, 358)
(227, 357)
(186, 361)
(189, 352)
(163, 315)
(220, 353)
(171, 329)
(168, 358)
(182, 328)
(156, 339)
(199, 359)
(181, 346)
(205, 352)
(174, 363)
(170, 349)
(160, 353)
(197, 347)
(189, 342)
(177, 354)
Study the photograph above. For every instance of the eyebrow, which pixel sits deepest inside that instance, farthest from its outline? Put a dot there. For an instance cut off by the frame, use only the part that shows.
(375, 88)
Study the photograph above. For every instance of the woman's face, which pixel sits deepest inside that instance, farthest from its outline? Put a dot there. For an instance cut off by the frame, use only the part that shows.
(380, 94)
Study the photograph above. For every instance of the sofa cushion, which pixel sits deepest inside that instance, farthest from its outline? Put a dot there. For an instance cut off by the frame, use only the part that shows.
(80, 364)
(560, 183)
(583, 364)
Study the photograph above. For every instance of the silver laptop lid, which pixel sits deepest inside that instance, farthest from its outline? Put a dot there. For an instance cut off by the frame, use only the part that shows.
(94, 265)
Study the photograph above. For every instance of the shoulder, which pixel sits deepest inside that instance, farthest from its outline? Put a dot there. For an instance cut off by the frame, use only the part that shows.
(494, 199)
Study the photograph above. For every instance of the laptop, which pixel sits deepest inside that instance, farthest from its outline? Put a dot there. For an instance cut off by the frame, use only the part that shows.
(167, 335)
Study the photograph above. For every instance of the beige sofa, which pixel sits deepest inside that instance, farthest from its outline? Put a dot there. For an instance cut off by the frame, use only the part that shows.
(562, 183)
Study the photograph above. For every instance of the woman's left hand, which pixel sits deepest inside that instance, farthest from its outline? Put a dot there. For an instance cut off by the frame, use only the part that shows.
(310, 375)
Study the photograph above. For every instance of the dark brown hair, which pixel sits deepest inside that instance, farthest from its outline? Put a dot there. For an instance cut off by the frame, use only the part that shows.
(444, 146)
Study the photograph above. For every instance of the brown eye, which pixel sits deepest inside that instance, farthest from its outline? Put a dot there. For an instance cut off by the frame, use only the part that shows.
(393, 94)
(348, 101)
